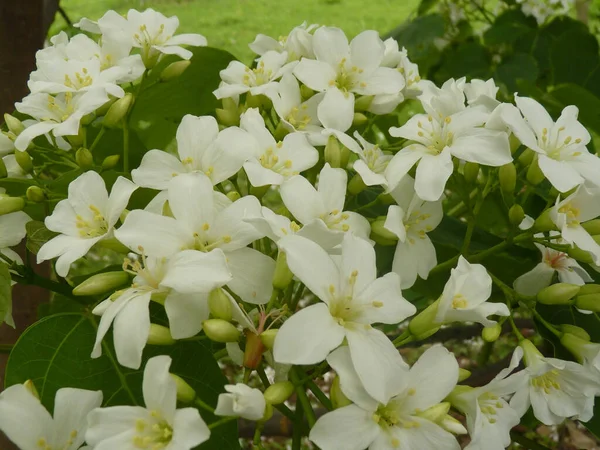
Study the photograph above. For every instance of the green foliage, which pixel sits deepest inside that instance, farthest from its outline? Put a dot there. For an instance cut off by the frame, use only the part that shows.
(37, 235)
(5, 292)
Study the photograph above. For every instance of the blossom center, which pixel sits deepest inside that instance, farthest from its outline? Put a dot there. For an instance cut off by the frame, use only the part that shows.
(258, 76)
(490, 404)
(43, 444)
(80, 80)
(93, 226)
(556, 260)
(62, 110)
(547, 382)
(373, 157)
(572, 214)
(389, 416)
(270, 160)
(459, 301)
(436, 134)
(154, 435)
(412, 225)
(298, 118)
(205, 243)
(347, 75)
(335, 219)
(554, 147)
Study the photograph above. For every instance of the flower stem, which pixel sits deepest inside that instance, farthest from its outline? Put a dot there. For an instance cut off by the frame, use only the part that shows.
(302, 397)
(526, 442)
(205, 406)
(220, 422)
(97, 139)
(319, 394)
(287, 412)
(125, 145)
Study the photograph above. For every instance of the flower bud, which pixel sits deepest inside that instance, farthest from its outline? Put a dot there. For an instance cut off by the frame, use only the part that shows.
(558, 294)
(174, 70)
(356, 185)
(88, 118)
(110, 161)
(307, 92)
(160, 335)
(268, 412)
(526, 157)
(435, 413)
(279, 392)
(10, 204)
(253, 101)
(76, 140)
(514, 143)
(336, 154)
(382, 235)
(588, 302)
(31, 388)
(268, 338)
(24, 160)
(575, 345)
(363, 103)
(589, 289)
(491, 334)
(104, 108)
(101, 283)
(84, 158)
(35, 194)
(534, 174)
(259, 191)
(531, 354)
(219, 304)
(185, 393)
(471, 172)
(507, 174)
(220, 330)
(253, 351)
(544, 222)
(386, 199)
(338, 398)
(580, 255)
(592, 226)
(112, 243)
(283, 275)
(463, 374)
(452, 425)
(423, 325)
(3, 170)
(233, 196)
(118, 111)
(15, 126)
(228, 117)
(359, 119)
(229, 104)
(516, 215)
(575, 330)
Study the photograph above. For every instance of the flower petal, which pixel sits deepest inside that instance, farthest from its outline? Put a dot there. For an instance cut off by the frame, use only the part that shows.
(252, 275)
(159, 388)
(186, 312)
(348, 428)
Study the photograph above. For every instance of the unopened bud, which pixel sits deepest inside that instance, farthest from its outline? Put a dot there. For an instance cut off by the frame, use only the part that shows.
(279, 392)
(575, 345)
(259, 191)
(185, 393)
(534, 174)
(282, 277)
(84, 158)
(514, 143)
(229, 104)
(101, 283)
(531, 354)
(104, 108)
(558, 294)
(526, 157)
(423, 325)
(220, 330)
(253, 351)
(452, 425)
(471, 172)
(31, 388)
(382, 235)
(35, 194)
(24, 161)
(268, 412)
(491, 334)
(160, 335)
(233, 196)
(580, 255)
(118, 111)
(306, 92)
(268, 338)
(14, 125)
(435, 413)
(589, 289)
(3, 169)
(174, 70)
(359, 119)
(463, 374)
(575, 330)
(356, 185)
(592, 226)
(10, 204)
(219, 304)
(76, 140)
(253, 101)
(386, 199)
(588, 302)
(507, 175)
(363, 103)
(110, 162)
(516, 215)
(228, 117)
(336, 154)
(338, 398)
(544, 222)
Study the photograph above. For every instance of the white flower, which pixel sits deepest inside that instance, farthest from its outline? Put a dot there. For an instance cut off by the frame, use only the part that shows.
(205, 220)
(27, 423)
(182, 283)
(238, 78)
(489, 416)
(273, 162)
(371, 162)
(448, 129)
(84, 218)
(59, 114)
(556, 389)
(324, 204)
(394, 422)
(411, 220)
(150, 31)
(336, 112)
(297, 44)
(483, 93)
(159, 425)
(201, 148)
(553, 261)
(560, 147)
(465, 294)
(569, 213)
(241, 400)
(352, 298)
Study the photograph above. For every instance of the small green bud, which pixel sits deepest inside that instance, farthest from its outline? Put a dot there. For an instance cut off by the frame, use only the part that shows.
(363, 103)
(118, 111)
(592, 226)
(283, 275)
(174, 70)
(359, 119)
(575, 330)
(35, 194)
(423, 324)
(253, 101)
(386, 199)
(580, 255)
(160, 335)
(219, 304)
(526, 157)
(104, 108)
(534, 174)
(10, 204)
(338, 398)
(507, 175)
(306, 92)
(378, 230)
(229, 104)
(14, 125)
(228, 117)
(516, 215)
(233, 195)
(435, 413)
(110, 161)
(452, 425)
(268, 412)
(101, 283)
(259, 191)
(88, 118)
(253, 351)
(268, 338)
(575, 345)
(356, 185)
(281, 131)
(84, 158)
(463, 374)
(544, 222)
(558, 294)
(24, 160)
(336, 154)
(491, 334)
(278, 393)
(589, 289)
(31, 388)
(471, 172)
(588, 302)
(531, 354)
(185, 393)
(76, 140)
(514, 143)
(220, 330)
(3, 170)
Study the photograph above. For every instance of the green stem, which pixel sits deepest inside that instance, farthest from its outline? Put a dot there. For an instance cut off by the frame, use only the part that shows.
(257, 434)
(547, 324)
(97, 138)
(31, 278)
(302, 397)
(297, 430)
(297, 298)
(220, 422)
(205, 406)
(319, 394)
(220, 354)
(526, 442)
(400, 339)
(468, 235)
(125, 145)
(484, 354)
(272, 300)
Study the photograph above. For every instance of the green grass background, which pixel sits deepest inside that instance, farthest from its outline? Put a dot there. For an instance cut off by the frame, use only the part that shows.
(232, 24)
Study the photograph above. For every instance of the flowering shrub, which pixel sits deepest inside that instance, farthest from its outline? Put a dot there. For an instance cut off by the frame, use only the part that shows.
(314, 211)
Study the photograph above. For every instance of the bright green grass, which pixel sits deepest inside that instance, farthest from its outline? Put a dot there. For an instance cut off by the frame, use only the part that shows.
(232, 24)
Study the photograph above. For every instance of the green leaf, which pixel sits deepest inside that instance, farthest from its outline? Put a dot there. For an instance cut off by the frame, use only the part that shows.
(508, 27)
(5, 295)
(37, 235)
(54, 353)
(470, 59)
(587, 102)
(16, 186)
(519, 66)
(574, 57)
(425, 6)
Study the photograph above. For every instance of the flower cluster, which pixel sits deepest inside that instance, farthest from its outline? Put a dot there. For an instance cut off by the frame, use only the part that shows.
(268, 231)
